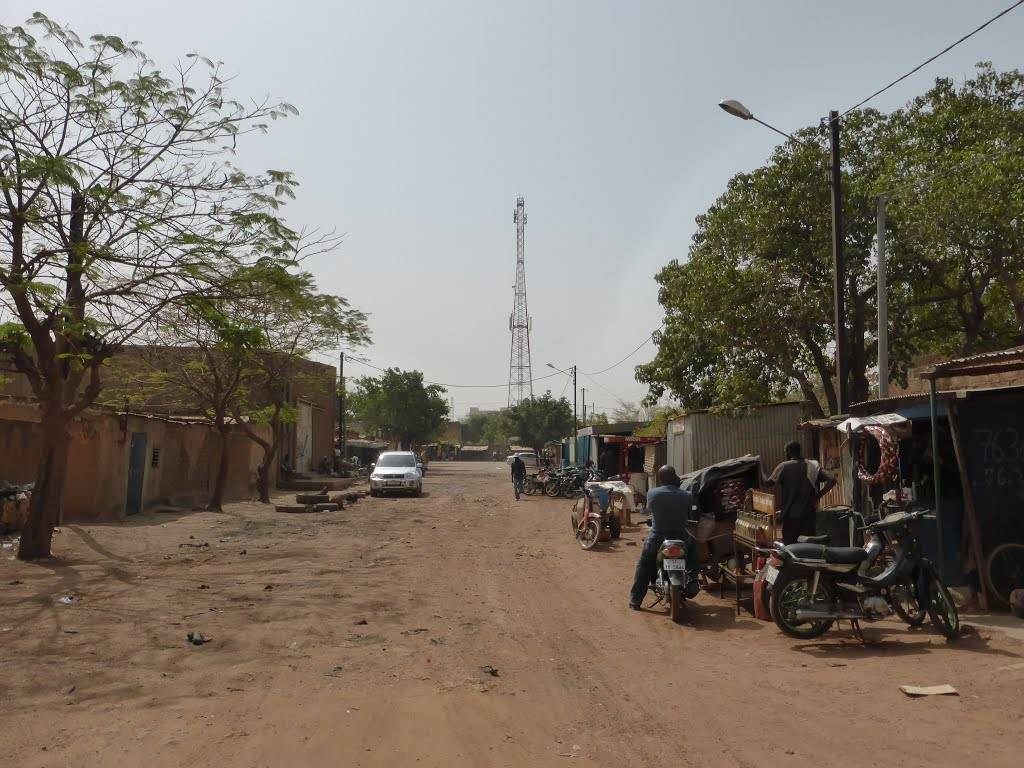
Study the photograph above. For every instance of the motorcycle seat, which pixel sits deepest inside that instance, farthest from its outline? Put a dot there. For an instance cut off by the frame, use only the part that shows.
(838, 555)
(813, 539)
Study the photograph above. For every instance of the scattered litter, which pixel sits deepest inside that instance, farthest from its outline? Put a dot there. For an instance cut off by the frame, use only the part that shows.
(417, 631)
(492, 671)
(71, 689)
(437, 641)
(66, 599)
(15, 582)
(243, 551)
(70, 631)
(268, 587)
(8, 545)
(929, 690)
(196, 638)
(837, 664)
(362, 622)
(6, 629)
(630, 543)
(204, 586)
(335, 672)
(200, 545)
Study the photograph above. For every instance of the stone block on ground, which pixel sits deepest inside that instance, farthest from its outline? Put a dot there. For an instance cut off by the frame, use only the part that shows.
(294, 508)
(312, 498)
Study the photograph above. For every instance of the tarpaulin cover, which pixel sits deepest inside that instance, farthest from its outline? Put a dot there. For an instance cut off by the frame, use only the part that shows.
(703, 479)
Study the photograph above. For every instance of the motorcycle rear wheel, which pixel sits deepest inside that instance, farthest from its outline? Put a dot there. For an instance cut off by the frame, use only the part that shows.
(941, 608)
(589, 536)
(788, 593)
(675, 603)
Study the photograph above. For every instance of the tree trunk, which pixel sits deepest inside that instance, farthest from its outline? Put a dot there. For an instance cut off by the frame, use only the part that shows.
(48, 494)
(217, 498)
(263, 478)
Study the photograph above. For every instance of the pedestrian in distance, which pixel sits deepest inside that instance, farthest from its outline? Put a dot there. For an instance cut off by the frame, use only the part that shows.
(802, 482)
(518, 475)
(670, 507)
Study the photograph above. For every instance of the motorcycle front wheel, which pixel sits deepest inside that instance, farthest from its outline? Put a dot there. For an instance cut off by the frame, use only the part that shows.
(551, 488)
(904, 602)
(941, 608)
(588, 536)
(793, 592)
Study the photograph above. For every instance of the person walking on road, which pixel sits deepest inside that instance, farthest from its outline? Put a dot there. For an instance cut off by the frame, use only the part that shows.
(801, 482)
(518, 475)
(670, 507)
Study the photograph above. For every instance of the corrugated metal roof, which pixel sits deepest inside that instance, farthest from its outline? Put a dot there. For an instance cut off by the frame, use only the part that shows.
(963, 365)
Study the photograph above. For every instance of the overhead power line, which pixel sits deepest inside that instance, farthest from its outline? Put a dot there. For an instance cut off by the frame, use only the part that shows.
(368, 364)
(639, 347)
(925, 63)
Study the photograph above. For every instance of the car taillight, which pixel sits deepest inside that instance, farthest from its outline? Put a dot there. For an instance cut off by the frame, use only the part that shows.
(673, 551)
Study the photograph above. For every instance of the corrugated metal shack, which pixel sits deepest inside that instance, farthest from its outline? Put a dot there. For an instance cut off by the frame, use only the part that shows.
(701, 438)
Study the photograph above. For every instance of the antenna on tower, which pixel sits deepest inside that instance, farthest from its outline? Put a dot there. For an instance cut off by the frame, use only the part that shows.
(520, 376)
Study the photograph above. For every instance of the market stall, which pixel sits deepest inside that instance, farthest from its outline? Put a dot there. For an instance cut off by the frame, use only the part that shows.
(722, 491)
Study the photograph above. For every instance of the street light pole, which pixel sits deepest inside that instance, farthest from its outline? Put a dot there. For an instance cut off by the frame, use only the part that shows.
(883, 302)
(736, 108)
(838, 263)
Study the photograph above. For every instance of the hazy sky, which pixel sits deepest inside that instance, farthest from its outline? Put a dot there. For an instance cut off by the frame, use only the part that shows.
(421, 121)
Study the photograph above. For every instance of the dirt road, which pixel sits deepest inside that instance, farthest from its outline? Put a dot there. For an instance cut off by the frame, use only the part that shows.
(360, 638)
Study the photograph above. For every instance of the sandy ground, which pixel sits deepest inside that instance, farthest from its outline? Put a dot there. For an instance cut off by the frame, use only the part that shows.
(359, 638)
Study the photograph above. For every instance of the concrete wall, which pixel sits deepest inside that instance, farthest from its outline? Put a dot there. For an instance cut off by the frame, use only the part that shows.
(98, 460)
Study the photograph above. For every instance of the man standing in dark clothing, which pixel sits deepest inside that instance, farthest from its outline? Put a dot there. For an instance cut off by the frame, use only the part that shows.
(800, 480)
(670, 508)
(518, 475)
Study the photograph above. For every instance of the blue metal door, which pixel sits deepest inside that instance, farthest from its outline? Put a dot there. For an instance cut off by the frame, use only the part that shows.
(136, 473)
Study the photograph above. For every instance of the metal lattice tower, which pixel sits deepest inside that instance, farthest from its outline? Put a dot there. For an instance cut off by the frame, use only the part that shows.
(520, 376)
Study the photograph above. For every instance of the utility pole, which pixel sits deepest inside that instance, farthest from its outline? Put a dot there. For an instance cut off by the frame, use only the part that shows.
(342, 431)
(883, 303)
(838, 264)
(584, 406)
(575, 423)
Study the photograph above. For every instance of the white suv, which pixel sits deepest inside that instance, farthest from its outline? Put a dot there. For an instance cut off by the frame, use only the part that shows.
(396, 472)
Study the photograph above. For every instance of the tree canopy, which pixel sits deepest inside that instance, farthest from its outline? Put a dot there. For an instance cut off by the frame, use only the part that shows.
(536, 421)
(119, 197)
(400, 406)
(748, 314)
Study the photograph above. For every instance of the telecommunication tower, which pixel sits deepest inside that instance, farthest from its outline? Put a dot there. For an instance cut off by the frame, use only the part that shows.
(520, 376)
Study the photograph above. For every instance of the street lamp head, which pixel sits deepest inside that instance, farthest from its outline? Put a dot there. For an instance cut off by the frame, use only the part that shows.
(736, 108)
(551, 366)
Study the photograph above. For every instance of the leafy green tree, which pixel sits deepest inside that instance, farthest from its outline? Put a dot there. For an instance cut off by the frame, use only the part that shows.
(957, 168)
(539, 420)
(750, 311)
(294, 322)
(118, 198)
(400, 406)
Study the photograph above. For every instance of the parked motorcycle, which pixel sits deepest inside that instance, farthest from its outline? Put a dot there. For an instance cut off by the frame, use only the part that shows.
(591, 523)
(534, 484)
(814, 585)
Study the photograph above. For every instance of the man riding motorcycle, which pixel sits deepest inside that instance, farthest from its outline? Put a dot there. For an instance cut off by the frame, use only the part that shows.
(670, 509)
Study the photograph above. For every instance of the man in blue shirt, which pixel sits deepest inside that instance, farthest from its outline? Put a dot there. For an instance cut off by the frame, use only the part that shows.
(670, 508)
